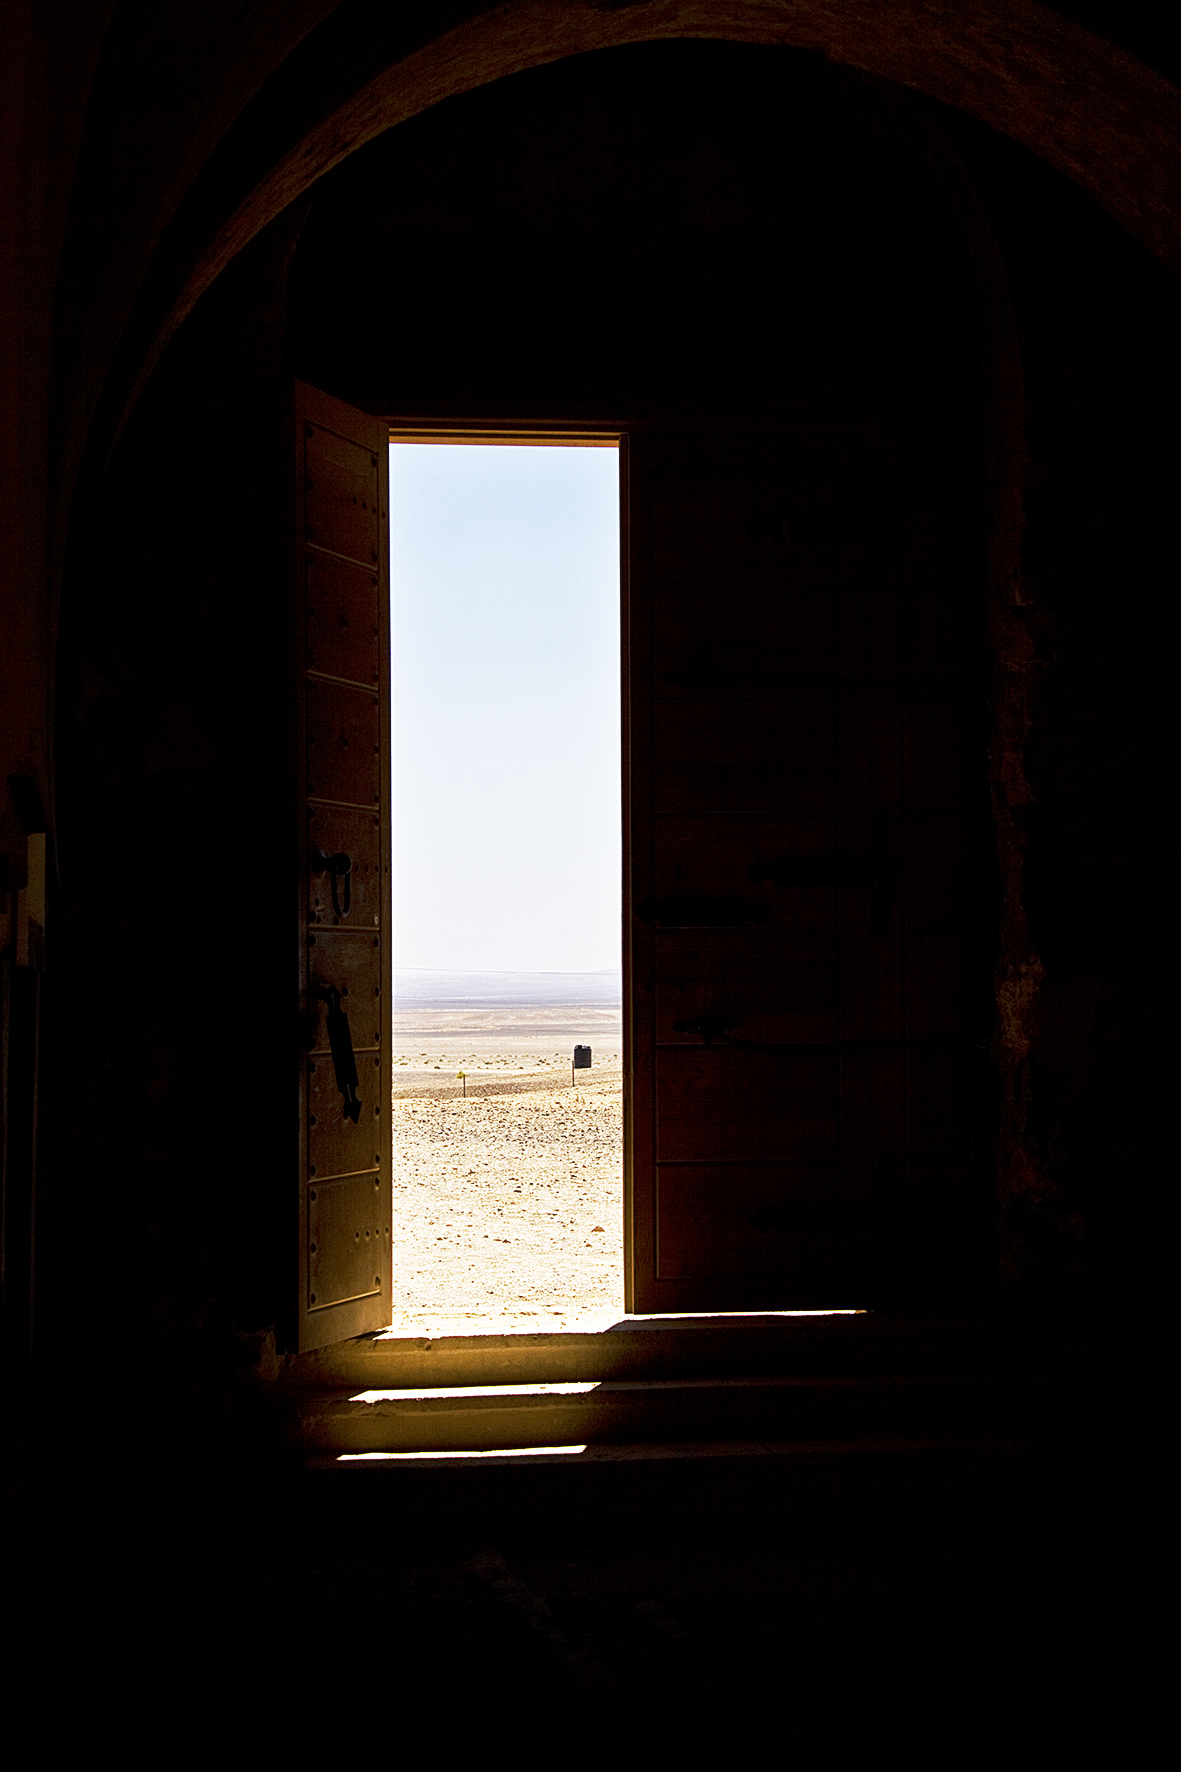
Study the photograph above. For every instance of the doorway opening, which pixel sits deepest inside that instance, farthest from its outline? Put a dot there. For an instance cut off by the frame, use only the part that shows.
(505, 641)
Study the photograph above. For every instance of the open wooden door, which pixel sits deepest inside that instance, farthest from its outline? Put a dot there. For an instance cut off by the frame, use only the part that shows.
(341, 478)
(808, 998)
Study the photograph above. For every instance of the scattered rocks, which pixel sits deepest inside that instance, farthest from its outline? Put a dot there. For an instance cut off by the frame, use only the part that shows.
(497, 1195)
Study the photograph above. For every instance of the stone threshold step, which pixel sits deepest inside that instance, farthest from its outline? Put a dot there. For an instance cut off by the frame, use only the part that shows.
(663, 1452)
(901, 1483)
(637, 1348)
(496, 1417)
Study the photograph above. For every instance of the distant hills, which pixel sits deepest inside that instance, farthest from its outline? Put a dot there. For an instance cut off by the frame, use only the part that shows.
(423, 989)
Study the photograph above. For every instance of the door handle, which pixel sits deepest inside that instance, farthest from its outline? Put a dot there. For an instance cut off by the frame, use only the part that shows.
(341, 1041)
(338, 867)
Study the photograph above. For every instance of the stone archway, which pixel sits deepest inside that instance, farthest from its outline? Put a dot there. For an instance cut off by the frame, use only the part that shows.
(1090, 110)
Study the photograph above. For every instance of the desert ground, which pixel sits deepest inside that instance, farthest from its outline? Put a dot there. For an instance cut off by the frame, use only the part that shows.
(507, 1200)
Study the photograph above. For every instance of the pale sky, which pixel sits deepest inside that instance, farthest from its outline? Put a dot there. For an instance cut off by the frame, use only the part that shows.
(504, 576)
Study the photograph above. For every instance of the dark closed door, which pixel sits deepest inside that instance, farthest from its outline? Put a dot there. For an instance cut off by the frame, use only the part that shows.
(342, 864)
(805, 882)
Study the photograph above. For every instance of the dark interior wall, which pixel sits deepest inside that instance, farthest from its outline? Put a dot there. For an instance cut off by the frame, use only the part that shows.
(1102, 563)
(1085, 714)
(575, 245)
(172, 1013)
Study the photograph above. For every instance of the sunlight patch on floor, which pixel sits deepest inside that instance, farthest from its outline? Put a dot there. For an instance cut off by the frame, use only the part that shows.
(505, 1452)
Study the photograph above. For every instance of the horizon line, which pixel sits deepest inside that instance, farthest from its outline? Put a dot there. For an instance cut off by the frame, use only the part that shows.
(502, 971)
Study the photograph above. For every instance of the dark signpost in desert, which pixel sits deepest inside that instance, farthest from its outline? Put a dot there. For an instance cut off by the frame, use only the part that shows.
(580, 1062)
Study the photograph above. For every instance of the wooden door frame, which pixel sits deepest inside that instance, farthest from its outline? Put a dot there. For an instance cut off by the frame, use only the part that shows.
(574, 434)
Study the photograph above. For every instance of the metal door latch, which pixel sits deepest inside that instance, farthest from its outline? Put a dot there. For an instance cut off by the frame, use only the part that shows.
(338, 867)
(341, 1042)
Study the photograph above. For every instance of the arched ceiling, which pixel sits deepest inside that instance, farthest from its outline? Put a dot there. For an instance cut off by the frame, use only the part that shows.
(1090, 109)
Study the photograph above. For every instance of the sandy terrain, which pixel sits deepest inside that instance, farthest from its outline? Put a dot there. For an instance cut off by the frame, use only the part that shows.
(508, 1203)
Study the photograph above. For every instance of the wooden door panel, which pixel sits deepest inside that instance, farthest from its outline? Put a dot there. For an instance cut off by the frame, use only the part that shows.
(758, 869)
(873, 1109)
(351, 964)
(336, 1144)
(340, 564)
(344, 615)
(343, 509)
(348, 1237)
(934, 879)
(937, 1210)
(800, 899)
(939, 1102)
(345, 830)
(705, 647)
(935, 635)
(744, 756)
(778, 987)
(718, 1104)
(344, 744)
(935, 757)
(938, 984)
(747, 1224)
